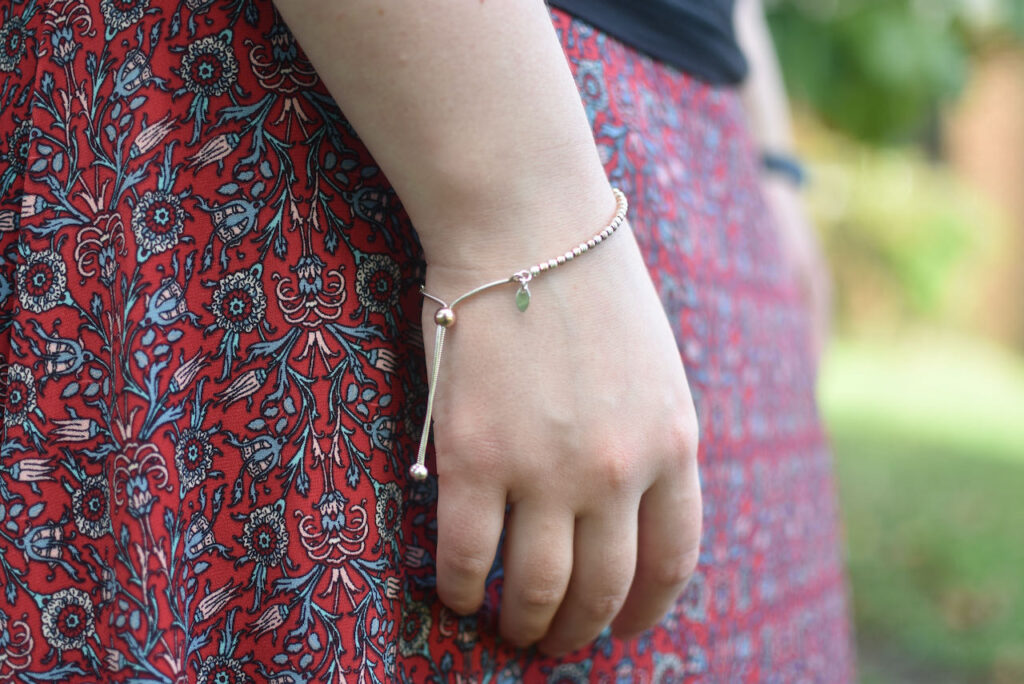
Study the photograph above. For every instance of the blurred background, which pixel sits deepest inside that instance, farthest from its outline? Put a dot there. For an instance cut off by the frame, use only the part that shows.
(910, 115)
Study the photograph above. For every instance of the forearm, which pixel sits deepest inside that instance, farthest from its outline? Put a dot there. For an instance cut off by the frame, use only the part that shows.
(764, 95)
(471, 111)
(769, 119)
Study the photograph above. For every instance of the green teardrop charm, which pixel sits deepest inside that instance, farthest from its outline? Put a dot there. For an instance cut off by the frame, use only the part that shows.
(523, 297)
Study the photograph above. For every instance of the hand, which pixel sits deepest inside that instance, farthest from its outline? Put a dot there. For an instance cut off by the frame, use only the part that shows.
(577, 413)
(801, 249)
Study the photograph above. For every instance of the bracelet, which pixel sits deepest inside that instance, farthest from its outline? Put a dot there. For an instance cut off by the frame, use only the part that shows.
(444, 318)
(785, 165)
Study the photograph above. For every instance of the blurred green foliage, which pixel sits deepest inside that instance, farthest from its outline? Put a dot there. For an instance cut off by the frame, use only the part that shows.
(930, 458)
(907, 238)
(879, 69)
(911, 225)
(901, 234)
(926, 424)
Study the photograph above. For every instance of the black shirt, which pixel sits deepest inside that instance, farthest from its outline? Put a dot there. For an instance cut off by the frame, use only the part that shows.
(695, 36)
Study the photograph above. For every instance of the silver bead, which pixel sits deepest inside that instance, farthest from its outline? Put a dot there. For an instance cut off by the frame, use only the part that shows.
(569, 255)
(543, 266)
(576, 251)
(444, 317)
(597, 239)
(534, 270)
(591, 242)
(560, 260)
(552, 263)
(418, 472)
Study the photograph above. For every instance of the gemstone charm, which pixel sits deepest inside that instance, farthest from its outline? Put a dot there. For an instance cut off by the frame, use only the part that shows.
(522, 297)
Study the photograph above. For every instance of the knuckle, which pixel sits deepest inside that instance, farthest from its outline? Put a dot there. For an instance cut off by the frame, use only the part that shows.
(458, 591)
(462, 565)
(460, 578)
(616, 472)
(468, 449)
(538, 598)
(527, 612)
(684, 436)
(674, 572)
(600, 609)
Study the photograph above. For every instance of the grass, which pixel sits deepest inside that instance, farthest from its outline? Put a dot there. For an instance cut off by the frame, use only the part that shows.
(929, 442)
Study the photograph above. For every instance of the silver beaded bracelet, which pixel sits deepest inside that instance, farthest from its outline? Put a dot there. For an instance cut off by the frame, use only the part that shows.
(445, 316)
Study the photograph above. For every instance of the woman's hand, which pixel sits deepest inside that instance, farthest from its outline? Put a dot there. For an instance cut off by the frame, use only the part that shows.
(768, 116)
(802, 251)
(577, 413)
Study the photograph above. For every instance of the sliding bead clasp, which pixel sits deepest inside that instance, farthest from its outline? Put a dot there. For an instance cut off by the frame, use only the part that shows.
(445, 317)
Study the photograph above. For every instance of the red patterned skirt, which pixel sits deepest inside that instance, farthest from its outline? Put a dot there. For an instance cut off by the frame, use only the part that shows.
(214, 379)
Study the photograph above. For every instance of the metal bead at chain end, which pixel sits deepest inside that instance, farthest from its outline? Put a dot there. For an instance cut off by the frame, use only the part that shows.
(444, 317)
(418, 472)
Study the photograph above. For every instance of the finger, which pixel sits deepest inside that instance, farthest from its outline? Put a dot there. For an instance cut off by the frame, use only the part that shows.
(538, 562)
(469, 522)
(603, 564)
(669, 544)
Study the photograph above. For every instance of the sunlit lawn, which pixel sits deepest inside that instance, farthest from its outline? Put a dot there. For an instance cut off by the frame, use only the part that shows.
(929, 440)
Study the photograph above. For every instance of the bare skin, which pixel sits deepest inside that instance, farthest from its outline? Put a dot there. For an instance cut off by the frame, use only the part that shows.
(577, 412)
(768, 115)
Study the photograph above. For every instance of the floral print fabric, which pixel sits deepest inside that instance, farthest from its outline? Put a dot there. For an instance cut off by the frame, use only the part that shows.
(213, 377)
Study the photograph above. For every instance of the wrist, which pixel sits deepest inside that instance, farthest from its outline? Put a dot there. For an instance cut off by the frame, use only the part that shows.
(492, 233)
